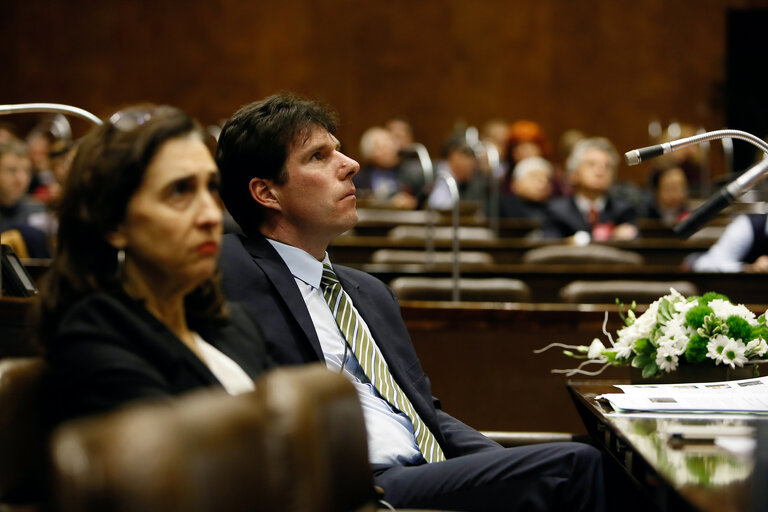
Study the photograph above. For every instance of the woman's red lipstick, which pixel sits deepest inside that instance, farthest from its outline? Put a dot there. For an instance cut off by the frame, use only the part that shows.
(208, 248)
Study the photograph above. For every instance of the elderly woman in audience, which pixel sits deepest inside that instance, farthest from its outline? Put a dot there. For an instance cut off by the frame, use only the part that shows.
(531, 188)
(591, 169)
(131, 307)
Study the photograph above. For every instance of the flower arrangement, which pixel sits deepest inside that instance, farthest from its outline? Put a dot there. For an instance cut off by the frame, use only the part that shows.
(676, 330)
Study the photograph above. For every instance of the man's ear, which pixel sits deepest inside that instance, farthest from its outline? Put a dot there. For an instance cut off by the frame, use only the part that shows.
(263, 193)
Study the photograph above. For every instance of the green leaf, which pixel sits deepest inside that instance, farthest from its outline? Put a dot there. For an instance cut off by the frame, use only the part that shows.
(643, 346)
(650, 370)
(641, 361)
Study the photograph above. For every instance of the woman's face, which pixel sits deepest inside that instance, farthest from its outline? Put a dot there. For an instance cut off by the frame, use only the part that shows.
(172, 228)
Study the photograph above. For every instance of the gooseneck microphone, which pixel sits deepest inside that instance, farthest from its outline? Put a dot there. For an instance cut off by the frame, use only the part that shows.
(56, 108)
(636, 156)
(721, 199)
(725, 195)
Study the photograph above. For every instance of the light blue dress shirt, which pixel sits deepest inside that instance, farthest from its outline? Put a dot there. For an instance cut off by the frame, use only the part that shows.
(390, 434)
(727, 254)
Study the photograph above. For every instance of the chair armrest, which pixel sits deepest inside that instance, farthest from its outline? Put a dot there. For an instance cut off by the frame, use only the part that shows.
(509, 439)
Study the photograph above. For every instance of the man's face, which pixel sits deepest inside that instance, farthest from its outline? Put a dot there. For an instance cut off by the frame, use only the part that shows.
(15, 173)
(462, 165)
(317, 199)
(595, 172)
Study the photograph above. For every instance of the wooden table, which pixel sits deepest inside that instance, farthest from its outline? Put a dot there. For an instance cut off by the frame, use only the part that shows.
(690, 477)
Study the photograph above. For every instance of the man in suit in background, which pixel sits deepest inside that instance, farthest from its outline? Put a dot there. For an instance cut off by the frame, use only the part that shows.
(290, 188)
(591, 169)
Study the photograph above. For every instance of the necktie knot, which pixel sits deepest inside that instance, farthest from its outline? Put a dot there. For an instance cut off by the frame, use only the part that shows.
(329, 277)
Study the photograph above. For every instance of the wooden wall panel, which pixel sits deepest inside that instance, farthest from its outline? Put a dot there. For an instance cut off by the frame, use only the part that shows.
(606, 67)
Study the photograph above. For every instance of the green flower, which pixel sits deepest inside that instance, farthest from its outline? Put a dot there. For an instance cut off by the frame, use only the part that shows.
(696, 352)
(738, 328)
(704, 299)
(695, 316)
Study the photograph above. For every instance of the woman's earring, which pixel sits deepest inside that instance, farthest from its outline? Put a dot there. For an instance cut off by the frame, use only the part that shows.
(120, 264)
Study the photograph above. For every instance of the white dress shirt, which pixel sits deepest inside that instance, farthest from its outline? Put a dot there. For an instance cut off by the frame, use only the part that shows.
(391, 440)
(727, 255)
(229, 374)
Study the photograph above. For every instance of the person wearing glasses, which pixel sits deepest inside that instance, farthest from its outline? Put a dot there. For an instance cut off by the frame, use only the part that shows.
(286, 182)
(131, 307)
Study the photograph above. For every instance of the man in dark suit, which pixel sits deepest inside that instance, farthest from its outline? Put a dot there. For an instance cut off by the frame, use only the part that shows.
(290, 188)
(591, 168)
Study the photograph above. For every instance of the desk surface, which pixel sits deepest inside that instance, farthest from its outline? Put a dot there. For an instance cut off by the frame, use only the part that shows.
(693, 477)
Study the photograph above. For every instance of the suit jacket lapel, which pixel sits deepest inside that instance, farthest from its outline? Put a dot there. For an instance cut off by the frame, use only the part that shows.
(273, 266)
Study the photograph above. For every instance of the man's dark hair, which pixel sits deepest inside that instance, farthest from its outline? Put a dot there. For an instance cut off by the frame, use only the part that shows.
(255, 143)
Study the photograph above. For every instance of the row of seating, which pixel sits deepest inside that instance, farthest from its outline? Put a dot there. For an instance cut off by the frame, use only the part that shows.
(500, 289)
(296, 443)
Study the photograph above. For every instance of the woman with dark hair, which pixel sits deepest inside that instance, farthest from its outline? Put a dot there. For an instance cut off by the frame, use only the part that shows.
(131, 307)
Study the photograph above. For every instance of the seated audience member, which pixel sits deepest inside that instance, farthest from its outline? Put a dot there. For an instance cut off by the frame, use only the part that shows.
(459, 161)
(17, 209)
(496, 131)
(691, 159)
(525, 139)
(7, 132)
(381, 176)
(270, 154)
(61, 156)
(402, 131)
(743, 247)
(591, 169)
(39, 143)
(531, 188)
(670, 194)
(131, 307)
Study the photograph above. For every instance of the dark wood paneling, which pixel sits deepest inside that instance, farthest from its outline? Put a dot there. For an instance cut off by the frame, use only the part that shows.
(604, 67)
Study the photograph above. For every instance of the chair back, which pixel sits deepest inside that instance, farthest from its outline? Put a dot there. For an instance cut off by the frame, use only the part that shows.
(22, 429)
(442, 233)
(398, 256)
(317, 415)
(13, 238)
(471, 289)
(593, 254)
(606, 292)
(268, 450)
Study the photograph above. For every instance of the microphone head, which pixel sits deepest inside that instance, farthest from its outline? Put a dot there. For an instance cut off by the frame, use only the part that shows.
(632, 157)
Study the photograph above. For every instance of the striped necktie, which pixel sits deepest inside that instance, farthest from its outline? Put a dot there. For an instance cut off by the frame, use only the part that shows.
(372, 362)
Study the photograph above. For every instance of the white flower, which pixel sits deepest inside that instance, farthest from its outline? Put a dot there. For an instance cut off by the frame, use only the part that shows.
(756, 348)
(642, 326)
(623, 349)
(666, 358)
(683, 306)
(595, 349)
(724, 309)
(716, 346)
(675, 335)
(733, 353)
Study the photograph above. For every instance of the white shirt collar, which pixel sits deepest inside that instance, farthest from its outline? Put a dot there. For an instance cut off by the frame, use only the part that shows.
(301, 264)
(585, 204)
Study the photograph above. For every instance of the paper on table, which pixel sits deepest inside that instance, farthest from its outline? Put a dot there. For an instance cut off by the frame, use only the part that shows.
(739, 396)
